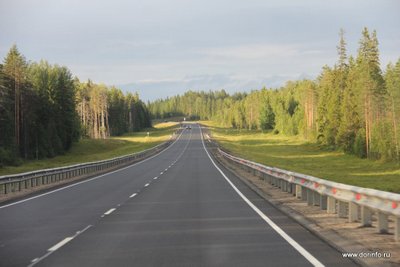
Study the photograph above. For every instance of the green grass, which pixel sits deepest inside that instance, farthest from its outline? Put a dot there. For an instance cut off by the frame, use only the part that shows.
(296, 154)
(87, 150)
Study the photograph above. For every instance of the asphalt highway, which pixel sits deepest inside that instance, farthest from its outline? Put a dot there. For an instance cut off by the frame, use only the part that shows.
(178, 208)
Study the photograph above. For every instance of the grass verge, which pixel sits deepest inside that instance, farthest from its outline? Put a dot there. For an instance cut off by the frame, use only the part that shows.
(296, 154)
(87, 150)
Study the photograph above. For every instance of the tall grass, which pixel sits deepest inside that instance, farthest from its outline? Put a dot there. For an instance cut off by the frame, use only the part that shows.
(296, 154)
(87, 150)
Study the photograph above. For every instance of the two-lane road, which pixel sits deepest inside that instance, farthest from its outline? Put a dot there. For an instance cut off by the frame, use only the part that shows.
(178, 208)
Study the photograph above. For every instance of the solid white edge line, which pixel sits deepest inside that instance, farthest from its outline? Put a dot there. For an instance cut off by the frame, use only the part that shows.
(131, 196)
(91, 179)
(282, 233)
(109, 211)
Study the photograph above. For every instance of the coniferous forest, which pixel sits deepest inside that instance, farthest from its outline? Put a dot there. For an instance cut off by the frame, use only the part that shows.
(44, 110)
(353, 106)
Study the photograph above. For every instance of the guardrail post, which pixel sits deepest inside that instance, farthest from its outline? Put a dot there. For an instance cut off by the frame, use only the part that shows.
(382, 223)
(293, 189)
(298, 191)
(397, 229)
(323, 202)
(304, 194)
(310, 197)
(353, 212)
(366, 216)
(331, 205)
(342, 209)
(316, 198)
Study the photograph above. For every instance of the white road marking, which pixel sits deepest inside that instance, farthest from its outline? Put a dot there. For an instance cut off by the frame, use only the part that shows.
(155, 178)
(109, 211)
(166, 169)
(57, 246)
(131, 196)
(146, 185)
(161, 173)
(282, 233)
(60, 244)
(91, 179)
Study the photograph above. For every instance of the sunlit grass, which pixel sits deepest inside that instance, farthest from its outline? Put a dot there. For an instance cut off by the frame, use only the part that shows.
(88, 150)
(297, 154)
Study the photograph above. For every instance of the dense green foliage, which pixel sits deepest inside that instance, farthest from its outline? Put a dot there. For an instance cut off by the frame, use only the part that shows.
(294, 153)
(88, 149)
(43, 110)
(352, 106)
(107, 111)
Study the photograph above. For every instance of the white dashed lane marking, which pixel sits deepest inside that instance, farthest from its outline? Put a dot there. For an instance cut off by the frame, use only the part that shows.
(109, 211)
(131, 196)
(60, 244)
(57, 246)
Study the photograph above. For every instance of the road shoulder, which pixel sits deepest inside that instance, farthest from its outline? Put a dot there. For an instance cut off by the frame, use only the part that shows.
(337, 232)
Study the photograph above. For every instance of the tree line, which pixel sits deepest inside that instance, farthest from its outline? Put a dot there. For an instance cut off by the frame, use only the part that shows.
(44, 110)
(353, 106)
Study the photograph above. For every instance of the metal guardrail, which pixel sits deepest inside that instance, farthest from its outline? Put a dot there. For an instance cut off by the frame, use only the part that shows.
(18, 182)
(352, 202)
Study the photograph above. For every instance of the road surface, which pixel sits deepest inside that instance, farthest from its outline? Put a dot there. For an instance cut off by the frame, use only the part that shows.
(178, 208)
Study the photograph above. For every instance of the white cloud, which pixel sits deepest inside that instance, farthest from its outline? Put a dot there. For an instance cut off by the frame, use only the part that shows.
(252, 51)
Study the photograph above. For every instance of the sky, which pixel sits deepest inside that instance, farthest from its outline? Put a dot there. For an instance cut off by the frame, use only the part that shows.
(161, 48)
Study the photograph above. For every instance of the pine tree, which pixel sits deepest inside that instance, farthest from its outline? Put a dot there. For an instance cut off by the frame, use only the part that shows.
(350, 123)
(392, 79)
(370, 87)
(267, 116)
(14, 68)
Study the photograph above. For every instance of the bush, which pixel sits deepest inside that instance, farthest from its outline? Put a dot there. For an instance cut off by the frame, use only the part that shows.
(7, 157)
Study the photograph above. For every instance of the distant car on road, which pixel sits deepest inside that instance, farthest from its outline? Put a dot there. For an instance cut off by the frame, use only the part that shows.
(188, 127)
